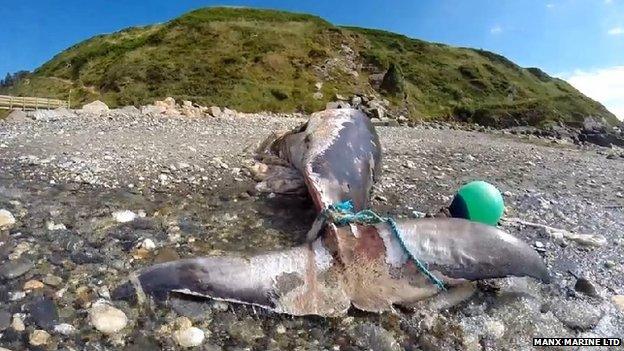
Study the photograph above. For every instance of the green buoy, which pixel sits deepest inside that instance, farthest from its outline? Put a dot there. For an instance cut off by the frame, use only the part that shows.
(478, 201)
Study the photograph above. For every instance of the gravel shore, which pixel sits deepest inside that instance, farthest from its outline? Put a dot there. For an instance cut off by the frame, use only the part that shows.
(90, 199)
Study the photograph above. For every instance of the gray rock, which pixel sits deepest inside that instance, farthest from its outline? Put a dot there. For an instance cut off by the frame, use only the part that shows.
(46, 115)
(247, 330)
(5, 319)
(17, 116)
(43, 312)
(195, 310)
(577, 315)
(129, 110)
(15, 269)
(583, 285)
(97, 107)
(373, 337)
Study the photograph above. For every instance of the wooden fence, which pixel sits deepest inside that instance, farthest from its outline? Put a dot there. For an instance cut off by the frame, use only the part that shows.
(8, 102)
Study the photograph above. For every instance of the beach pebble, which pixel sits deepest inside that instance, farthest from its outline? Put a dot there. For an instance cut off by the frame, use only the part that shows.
(148, 244)
(18, 322)
(65, 329)
(189, 337)
(38, 337)
(6, 219)
(33, 285)
(106, 318)
(124, 216)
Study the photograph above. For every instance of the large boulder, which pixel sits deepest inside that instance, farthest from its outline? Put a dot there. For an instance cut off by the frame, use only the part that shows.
(600, 133)
(96, 107)
(153, 110)
(168, 105)
(16, 116)
(50, 115)
(215, 111)
(189, 109)
(592, 125)
(393, 81)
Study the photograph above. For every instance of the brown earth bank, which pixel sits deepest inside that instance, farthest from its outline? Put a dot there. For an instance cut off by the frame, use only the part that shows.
(90, 197)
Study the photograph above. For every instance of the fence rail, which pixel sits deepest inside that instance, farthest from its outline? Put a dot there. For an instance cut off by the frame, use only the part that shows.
(8, 102)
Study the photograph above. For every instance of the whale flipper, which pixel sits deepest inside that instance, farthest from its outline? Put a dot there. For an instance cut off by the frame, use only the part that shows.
(459, 248)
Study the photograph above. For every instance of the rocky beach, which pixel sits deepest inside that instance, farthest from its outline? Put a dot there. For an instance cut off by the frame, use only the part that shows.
(89, 196)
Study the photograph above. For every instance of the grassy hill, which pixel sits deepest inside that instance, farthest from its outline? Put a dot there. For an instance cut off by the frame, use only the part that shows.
(253, 60)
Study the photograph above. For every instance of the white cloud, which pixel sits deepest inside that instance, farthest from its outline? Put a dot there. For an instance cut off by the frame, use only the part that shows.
(616, 31)
(550, 5)
(496, 29)
(608, 1)
(605, 85)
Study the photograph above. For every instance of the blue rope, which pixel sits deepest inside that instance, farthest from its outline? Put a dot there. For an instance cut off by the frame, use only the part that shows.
(343, 214)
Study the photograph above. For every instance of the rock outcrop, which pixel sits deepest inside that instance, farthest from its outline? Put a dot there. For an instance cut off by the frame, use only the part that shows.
(96, 107)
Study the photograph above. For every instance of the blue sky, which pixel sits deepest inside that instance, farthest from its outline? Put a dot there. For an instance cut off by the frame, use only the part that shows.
(579, 40)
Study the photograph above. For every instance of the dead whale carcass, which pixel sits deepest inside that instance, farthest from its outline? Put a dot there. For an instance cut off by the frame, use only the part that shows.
(371, 272)
(337, 154)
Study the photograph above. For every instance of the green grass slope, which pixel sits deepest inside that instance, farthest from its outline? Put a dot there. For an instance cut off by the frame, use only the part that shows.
(253, 60)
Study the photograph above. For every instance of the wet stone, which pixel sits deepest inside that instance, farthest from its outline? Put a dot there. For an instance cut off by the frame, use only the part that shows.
(166, 254)
(38, 337)
(372, 337)
(43, 312)
(86, 256)
(107, 319)
(5, 319)
(585, 286)
(142, 342)
(53, 280)
(189, 337)
(15, 269)
(247, 330)
(195, 309)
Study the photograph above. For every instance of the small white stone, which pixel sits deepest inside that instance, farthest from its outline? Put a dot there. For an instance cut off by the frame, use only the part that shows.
(64, 329)
(190, 337)
(280, 329)
(16, 295)
(148, 244)
(6, 219)
(124, 216)
(495, 329)
(53, 226)
(106, 318)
